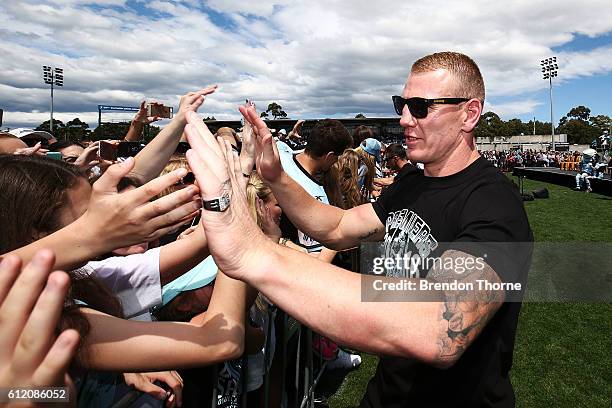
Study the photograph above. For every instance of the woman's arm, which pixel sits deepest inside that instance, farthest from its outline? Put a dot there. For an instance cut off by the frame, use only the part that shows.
(180, 256)
(151, 160)
(114, 220)
(115, 344)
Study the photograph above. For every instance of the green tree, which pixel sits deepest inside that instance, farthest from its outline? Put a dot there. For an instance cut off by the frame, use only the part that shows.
(601, 122)
(579, 131)
(579, 112)
(115, 131)
(577, 126)
(58, 127)
(515, 127)
(76, 130)
(490, 126)
(360, 116)
(275, 110)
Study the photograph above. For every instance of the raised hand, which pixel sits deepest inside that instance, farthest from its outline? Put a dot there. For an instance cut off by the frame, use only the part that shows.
(233, 236)
(267, 158)
(141, 116)
(31, 302)
(89, 157)
(191, 101)
(247, 152)
(130, 217)
(30, 151)
(268, 226)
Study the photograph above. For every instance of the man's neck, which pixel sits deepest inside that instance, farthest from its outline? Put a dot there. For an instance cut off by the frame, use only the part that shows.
(309, 164)
(464, 155)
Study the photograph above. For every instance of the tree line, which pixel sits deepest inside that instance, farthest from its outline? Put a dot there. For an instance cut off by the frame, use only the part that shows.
(578, 124)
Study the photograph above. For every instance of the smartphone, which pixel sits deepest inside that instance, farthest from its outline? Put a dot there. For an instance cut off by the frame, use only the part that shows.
(111, 151)
(155, 109)
(107, 151)
(129, 149)
(55, 155)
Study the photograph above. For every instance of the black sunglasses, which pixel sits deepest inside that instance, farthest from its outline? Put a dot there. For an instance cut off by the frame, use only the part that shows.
(419, 107)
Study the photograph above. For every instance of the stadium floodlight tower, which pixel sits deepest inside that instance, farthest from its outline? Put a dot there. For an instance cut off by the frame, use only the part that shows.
(549, 71)
(53, 77)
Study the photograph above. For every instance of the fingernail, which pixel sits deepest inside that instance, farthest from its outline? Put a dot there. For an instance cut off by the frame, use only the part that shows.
(180, 172)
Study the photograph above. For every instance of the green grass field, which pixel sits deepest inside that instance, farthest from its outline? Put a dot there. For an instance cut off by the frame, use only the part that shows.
(563, 351)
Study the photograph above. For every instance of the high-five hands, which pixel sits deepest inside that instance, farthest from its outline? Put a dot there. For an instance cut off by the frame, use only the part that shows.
(267, 158)
(233, 237)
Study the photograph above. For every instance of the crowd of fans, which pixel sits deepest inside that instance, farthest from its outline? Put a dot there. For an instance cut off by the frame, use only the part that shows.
(140, 308)
(506, 160)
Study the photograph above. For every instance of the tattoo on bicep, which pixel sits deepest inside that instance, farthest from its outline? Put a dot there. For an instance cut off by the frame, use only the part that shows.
(464, 313)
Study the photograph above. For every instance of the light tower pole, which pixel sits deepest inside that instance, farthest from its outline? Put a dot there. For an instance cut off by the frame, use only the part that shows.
(549, 71)
(52, 77)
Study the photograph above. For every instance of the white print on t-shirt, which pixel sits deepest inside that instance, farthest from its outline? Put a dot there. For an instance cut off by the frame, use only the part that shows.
(307, 242)
(402, 228)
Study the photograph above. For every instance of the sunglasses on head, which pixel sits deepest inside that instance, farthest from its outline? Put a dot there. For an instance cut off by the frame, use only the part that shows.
(419, 107)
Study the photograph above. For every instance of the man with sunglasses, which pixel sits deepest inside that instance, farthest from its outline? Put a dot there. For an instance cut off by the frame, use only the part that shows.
(451, 347)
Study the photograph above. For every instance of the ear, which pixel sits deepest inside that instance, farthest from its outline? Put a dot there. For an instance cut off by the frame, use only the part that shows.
(473, 111)
(329, 156)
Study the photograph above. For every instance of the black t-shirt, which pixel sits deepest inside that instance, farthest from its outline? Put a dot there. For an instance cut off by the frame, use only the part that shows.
(477, 204)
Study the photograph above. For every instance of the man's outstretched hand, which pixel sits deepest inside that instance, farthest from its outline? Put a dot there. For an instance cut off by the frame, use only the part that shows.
(234, 240)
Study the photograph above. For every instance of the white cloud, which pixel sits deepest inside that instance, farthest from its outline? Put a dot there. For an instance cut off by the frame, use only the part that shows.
(511, 110)
(317, 58)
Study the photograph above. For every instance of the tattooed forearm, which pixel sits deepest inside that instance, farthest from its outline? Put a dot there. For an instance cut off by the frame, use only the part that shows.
(370, 234)
(464, 314)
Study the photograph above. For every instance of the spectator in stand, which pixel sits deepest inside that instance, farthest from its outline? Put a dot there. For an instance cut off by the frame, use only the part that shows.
(585, 172)
(397, 160)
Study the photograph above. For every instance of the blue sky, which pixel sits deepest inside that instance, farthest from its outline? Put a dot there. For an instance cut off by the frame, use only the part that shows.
(316, 58)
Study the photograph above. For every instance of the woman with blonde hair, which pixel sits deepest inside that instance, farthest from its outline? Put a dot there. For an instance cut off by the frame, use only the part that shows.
(347, 170)
(366, 172)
